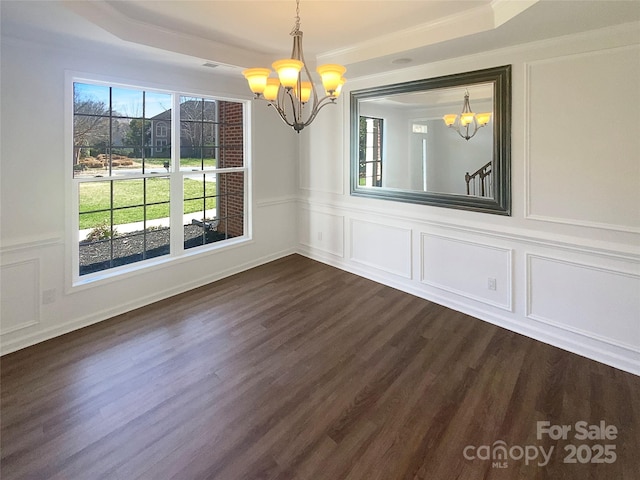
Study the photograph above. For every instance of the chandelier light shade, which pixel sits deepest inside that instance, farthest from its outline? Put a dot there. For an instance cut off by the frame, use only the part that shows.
(293, 93)
(257, 78)
(467, 123)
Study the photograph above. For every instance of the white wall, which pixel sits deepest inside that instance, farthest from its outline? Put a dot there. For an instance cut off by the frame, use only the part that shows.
(567, 262)
(37, 299)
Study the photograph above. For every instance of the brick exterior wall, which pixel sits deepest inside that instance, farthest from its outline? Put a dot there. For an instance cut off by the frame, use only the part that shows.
(231, 154)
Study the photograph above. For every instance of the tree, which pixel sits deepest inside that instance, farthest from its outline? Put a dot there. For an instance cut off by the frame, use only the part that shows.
(137, 135)
(90, 124)
(196, 128)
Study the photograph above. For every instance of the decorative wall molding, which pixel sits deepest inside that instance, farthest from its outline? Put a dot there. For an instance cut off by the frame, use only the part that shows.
(580, 223)
(507, 253)
(270, 202)
(521, 235)
(20, 295)
(528, 67)
(319, 190)
(306, 237)
(24, 244)
(381, 261)
(530, 258)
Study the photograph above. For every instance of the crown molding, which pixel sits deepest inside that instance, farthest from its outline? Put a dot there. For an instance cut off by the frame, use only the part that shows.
(480, 19)
(108, 18)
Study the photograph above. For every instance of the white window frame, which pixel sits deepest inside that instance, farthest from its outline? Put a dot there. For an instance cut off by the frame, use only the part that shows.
(178, 253)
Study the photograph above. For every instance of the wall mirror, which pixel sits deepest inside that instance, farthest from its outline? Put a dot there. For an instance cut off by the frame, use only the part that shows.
(441, 141)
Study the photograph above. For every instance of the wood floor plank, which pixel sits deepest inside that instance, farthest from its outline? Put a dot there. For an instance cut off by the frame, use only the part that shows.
(298, 371)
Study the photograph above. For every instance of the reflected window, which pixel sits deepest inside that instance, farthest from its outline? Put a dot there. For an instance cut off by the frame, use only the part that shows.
(370, 163)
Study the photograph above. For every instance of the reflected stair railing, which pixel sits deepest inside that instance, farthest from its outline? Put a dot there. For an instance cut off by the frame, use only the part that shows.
(479, 182)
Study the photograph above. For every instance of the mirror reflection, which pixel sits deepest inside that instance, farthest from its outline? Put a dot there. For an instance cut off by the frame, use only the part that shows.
(442, 141)
(423, 141)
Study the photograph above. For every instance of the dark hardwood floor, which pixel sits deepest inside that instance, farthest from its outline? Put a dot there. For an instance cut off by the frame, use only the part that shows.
(296, 370)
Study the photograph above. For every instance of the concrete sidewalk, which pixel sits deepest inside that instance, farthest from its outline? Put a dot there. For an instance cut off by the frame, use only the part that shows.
(137, 226)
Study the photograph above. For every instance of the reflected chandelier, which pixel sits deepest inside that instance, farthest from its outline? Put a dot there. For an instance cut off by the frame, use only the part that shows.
(467, 123)
(292, 91)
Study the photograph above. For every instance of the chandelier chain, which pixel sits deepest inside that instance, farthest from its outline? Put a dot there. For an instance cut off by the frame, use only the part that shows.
(296, 27)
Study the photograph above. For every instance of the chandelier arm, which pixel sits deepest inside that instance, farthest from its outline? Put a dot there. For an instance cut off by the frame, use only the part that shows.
(324, 101)
(281, 115)
(314, 113)
(295, 101)
(327, 100)
(283, 93)
(314, 91)
(276, 105)
(466, 135)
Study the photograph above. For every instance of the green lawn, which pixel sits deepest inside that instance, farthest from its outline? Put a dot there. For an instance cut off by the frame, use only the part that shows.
(129, 195)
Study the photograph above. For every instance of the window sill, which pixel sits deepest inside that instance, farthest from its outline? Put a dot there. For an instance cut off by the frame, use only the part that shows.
(155, 264)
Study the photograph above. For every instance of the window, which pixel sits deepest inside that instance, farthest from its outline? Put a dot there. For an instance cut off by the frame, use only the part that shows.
(131, 190)
(161, 129)
(370, 152)
(160, 143)
(211, 142)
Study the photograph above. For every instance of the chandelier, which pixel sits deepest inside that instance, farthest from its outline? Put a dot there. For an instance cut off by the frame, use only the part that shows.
(293, 94)
(467, 123)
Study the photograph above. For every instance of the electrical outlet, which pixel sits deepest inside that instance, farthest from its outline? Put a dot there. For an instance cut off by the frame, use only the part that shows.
(320, 236)
(49, 296)
(491, 283)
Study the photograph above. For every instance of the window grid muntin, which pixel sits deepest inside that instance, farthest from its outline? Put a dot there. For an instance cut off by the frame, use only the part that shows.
(234, 194)
(174, 161)
(146, 252)
(139, 147)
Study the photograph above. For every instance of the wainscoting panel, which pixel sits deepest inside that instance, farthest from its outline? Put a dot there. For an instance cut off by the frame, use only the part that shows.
(585, 181)
(590, 300)
(20, 295)
(380, 246)
(322, 231)
(474, 270)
